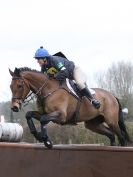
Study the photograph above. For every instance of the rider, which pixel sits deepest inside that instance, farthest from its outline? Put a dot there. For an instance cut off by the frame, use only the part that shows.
(62, 68)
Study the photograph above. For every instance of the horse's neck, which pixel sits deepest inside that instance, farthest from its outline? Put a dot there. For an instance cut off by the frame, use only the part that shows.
(37, 80)
(51, 85)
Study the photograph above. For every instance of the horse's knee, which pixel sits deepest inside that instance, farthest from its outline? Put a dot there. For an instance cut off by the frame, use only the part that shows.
(45, 119)
(42, 119)
(28, 115)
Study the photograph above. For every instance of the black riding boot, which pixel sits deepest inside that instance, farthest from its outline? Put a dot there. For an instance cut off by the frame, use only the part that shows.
(86, 92)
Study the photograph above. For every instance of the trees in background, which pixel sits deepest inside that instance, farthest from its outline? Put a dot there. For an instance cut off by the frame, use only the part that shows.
(10, 116)
(118, 79)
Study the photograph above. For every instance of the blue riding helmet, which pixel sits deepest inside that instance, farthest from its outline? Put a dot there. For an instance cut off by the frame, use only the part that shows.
(41, 53)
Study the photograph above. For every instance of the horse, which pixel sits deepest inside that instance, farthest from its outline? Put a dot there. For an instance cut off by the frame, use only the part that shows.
(60, 106)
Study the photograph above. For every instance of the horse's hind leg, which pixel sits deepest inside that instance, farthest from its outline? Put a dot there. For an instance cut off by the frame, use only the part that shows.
(116, 129)
(100, 128)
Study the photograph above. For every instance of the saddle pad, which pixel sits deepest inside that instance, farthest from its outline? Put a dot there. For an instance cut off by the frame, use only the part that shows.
(72, 90)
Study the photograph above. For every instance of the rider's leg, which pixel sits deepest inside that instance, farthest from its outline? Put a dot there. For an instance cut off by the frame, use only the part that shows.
(87, 93)
(80, 79)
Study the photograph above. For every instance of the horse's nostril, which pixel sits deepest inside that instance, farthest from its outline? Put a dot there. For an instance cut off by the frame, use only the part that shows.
(15, 109)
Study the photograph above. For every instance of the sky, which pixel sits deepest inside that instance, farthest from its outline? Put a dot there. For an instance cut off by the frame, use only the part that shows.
(93, 34)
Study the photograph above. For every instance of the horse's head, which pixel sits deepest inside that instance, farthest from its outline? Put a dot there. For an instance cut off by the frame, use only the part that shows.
(19, 88)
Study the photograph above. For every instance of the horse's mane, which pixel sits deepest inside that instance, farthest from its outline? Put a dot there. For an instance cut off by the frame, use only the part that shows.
(22, 69)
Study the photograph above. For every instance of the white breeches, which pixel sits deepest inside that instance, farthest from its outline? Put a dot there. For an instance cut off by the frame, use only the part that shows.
(79, 77)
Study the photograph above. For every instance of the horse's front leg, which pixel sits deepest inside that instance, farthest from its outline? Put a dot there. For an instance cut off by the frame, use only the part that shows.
(40, 136)
(58, 117)
(29, 115)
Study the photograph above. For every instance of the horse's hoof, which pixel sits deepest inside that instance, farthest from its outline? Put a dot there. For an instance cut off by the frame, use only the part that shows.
(48, 144)
(44, 139)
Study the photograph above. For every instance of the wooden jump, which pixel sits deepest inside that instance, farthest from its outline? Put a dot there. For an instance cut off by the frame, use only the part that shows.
(34, 160)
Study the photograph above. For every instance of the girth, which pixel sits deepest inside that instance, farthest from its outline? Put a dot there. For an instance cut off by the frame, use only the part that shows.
(75, 117)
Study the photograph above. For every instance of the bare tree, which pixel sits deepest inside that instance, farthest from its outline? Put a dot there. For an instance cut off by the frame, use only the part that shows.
(118, 79)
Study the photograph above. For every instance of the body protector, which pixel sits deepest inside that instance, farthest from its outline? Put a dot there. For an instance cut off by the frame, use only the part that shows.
(61, 67)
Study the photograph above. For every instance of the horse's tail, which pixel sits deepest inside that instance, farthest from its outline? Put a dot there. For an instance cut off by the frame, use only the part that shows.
(122, 124)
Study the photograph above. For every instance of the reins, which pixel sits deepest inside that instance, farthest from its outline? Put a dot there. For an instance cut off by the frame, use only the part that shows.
(35, 94)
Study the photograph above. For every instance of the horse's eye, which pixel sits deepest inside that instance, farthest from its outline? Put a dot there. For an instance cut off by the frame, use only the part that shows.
(20, 86)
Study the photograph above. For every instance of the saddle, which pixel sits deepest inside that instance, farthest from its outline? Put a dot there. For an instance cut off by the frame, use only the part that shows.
(70, 83)
(73, 87)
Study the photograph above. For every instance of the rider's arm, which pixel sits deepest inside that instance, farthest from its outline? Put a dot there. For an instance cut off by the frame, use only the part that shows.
(60, 66)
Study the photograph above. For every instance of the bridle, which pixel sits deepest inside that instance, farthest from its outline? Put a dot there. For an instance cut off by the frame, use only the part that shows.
(25, 100)
(35, 94)
(17, 78)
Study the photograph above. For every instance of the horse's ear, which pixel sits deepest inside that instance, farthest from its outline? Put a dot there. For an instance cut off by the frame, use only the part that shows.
(17, 71)
(11, 72)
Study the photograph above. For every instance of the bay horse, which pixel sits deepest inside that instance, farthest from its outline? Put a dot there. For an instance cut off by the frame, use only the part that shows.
(60, 106)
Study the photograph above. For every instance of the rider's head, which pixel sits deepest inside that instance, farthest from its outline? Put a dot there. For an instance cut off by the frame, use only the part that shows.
(41, 55)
